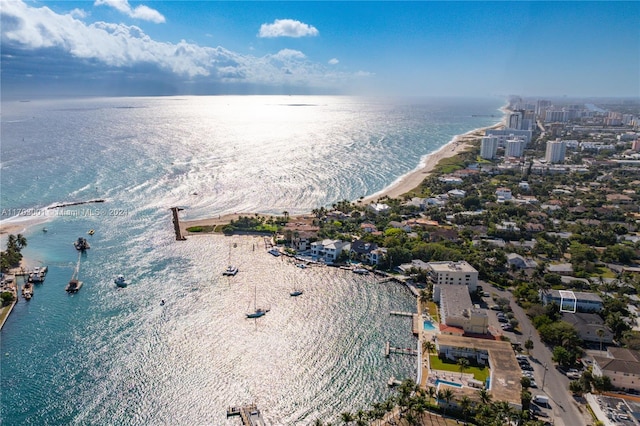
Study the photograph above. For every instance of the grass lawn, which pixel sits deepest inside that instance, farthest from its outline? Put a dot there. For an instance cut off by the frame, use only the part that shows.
(603, 272)
(479, 373)
(433, 310)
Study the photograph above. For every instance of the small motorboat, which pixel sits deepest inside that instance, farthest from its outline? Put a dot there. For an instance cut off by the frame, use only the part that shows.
(81, 244)
(295, 293)
(91, 232)
(231, 270)
(120, 281)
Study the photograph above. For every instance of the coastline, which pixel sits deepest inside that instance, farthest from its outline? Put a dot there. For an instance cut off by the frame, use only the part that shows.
(403, 185)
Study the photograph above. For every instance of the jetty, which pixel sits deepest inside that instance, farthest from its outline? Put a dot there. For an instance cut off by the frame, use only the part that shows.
(249, 414)
(388, 350)
(176, 223)
(402, 314)
(393, 382)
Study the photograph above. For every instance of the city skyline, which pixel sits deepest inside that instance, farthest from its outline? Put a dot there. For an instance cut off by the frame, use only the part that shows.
(116, 47)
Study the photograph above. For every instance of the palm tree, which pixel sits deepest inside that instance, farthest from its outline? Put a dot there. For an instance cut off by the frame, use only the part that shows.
(485, 396)
(448, 396)
(465, 404)
(600, 333)
(428, 347)
(463, 364)
(346, 417)
(432, 392)
(21, 241)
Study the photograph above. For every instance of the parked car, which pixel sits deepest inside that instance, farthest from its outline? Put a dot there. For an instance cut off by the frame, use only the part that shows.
(494, 307)
(486, 294)
(526, 367)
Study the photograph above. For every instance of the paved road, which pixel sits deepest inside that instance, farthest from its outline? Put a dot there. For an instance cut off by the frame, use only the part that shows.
(564, 411)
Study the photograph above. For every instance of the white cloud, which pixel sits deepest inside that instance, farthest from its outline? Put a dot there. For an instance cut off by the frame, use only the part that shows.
(333, 61)
(141, 12)
(289, 54)
(78, 13)
(28, 28)
(287, 28)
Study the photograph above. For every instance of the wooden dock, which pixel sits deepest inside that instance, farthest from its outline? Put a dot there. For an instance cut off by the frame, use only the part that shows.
(415, 323)
(388, 350)
(393, 382)
(249, 414)
(176, 223)
(402, 314)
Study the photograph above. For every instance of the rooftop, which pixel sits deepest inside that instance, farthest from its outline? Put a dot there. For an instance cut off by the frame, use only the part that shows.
(462, 266)
(505, 371)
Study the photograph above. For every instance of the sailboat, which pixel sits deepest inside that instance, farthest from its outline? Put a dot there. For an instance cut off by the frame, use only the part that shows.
(231, 269)
(257, 312)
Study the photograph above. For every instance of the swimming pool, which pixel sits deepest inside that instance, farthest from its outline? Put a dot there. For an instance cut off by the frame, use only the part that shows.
(428, 325)
(446, 382)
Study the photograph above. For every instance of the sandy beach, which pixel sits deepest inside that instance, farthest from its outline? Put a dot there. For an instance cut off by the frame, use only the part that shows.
(402, 185)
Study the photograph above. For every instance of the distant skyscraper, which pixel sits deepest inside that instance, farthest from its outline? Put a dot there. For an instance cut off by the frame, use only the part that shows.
(555, 151)
(514, 120)
(514, 148)
(556, 116)
(489, 147)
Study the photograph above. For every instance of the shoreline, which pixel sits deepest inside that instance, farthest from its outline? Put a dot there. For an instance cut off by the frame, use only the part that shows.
(402, 185)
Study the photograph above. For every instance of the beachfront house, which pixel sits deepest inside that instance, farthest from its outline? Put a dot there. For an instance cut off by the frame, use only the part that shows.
(363, 251)
(329, 250)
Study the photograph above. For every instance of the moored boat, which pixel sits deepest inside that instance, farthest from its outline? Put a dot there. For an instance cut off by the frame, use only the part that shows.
(274, 251)
(231, 270)
(295, 293)
(27, 290)
(120, 281)
(361, 271)
(81, 244)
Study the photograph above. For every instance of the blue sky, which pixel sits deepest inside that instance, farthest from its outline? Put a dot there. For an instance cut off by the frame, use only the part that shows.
(120, 47)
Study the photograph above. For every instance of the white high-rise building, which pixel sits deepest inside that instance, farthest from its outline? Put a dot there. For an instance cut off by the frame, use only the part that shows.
(514, 148)
(489, 147)
(555, 151)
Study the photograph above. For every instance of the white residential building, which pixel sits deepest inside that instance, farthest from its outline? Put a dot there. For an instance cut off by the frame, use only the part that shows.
(489, 147)
(514, 148)
(329, 250)
(621, 365)
(503, 194)
(457, 273)
(555, 151)
(457, 310)
(378, 208)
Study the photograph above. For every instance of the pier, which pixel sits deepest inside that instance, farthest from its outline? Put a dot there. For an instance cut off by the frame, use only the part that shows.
(249, 414)
(415, 320)
(176, 223)
(388, 350)
(402, 314)
(393, 382)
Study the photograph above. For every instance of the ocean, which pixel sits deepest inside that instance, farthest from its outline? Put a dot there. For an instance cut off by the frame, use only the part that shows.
(116, 356)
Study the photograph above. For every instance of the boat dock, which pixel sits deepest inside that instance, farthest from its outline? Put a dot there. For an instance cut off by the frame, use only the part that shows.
(393, 382)
(249, 414)
(415, 320)
(388, 350)
(402, 314)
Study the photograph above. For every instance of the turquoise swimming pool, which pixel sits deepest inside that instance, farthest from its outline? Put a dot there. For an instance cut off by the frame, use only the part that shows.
(428, 326)
(446, 382)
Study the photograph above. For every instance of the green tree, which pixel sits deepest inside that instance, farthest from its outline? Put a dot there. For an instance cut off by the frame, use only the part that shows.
(463, 364)
(528, 345)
